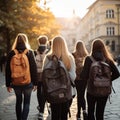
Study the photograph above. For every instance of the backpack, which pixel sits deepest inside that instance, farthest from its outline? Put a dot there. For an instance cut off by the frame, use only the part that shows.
(56, 81)
(100, 76)
(79, 61)
(20, 70)
(39, 61)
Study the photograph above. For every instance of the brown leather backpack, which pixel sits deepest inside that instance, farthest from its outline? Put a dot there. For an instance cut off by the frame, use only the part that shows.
(100, 78)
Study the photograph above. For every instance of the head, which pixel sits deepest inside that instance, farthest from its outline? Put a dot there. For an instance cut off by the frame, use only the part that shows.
(99, 46)
(21, 40)
(59, 48)
(42, 40)
(80, 48)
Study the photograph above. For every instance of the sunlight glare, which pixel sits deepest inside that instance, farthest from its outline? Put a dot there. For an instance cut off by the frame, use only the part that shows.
(65, 8)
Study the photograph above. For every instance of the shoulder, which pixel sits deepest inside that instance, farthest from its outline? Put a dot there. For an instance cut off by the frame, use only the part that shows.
(35, 52)
(71, 57)
(74, 55)
(11, 53)
(88, 58)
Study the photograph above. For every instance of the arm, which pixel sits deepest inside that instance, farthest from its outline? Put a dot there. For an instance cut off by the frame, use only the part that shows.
(72, 71)
(8, 79)
(33, 67)
(115, 71)
(86, 68)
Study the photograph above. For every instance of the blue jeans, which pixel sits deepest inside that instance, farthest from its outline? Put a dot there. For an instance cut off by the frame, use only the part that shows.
(23, 96)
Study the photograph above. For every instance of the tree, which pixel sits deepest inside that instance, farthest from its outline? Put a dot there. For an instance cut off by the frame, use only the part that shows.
(27, 17)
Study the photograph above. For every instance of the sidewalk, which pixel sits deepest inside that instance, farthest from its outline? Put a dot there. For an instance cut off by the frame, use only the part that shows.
(7, 104)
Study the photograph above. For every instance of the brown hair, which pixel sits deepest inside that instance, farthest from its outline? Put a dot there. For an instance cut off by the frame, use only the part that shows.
(42, 39)
(80, 49)
(21, 38)
(98, 45)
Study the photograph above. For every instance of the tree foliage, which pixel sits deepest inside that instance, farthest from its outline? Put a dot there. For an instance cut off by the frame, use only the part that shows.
(27, 17)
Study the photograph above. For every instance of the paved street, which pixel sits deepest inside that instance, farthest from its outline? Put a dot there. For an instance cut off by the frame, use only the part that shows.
(7, 104)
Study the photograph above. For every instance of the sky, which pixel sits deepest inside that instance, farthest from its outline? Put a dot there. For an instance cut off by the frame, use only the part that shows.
(65, 8)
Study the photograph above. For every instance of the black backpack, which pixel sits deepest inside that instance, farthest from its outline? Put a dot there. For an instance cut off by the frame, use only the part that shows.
(100, 77)
(56, 81)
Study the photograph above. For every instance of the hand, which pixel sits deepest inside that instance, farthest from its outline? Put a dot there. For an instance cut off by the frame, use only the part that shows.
(9, 89)
(34, 88)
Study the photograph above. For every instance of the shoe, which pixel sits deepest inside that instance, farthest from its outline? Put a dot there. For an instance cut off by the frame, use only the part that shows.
(40, 116)
(85, 115)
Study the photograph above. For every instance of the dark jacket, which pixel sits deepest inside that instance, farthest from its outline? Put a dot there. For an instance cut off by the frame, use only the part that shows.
(33, 68)
(41, 49)
(86, 69)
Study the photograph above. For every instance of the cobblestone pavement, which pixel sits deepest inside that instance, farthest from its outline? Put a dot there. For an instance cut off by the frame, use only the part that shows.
(7, 104)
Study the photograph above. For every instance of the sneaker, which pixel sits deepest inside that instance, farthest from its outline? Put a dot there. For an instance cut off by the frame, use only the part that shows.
(40, 116)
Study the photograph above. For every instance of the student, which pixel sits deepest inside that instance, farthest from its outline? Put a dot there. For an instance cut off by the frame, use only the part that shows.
(59, 48)
(39, 55)
(79, 54)
(22, 90)
(96, 104)
(3, 62)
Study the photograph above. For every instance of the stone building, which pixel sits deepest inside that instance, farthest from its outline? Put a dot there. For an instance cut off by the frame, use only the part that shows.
(102, 21)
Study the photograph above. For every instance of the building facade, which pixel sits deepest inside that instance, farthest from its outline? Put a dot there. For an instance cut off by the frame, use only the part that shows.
(102, 21)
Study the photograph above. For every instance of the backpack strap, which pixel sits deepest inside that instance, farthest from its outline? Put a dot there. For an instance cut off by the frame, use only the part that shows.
(25, 51)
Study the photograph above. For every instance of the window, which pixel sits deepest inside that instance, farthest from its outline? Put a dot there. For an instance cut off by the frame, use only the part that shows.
(107, 42)
(110, 31)
(113, 46)
(110, 13)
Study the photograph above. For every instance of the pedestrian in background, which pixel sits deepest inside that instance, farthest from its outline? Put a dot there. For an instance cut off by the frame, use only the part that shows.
(22, 91)
(3, 62)
(39, 56)
(59, 48)
(79, 54)
(96, 104)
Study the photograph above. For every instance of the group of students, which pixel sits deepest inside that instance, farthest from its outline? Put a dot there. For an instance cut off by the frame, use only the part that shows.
(78, 65)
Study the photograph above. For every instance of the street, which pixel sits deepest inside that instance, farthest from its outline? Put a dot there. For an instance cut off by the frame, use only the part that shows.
(7, 104)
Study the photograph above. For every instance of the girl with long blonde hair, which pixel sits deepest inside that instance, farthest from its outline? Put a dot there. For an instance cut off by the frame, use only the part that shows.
(59, 49)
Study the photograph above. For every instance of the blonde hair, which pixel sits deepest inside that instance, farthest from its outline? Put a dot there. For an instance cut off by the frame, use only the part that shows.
(21, 38)
(59, 48)
(80, 49)
(98, 45)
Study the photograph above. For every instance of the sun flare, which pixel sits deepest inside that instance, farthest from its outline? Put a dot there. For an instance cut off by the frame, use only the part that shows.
(67, 8)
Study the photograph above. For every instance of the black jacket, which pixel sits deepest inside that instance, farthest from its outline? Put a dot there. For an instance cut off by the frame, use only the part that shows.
(33, 68)
(86, 69)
